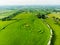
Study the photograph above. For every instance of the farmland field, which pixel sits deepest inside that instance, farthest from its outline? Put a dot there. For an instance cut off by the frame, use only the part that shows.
(5, 13)
(29, 26)
(27, 29)
(56, 29)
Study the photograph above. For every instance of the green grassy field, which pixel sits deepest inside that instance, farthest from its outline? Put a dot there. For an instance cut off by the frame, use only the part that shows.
(56, 29)
(6, 13)
(57, 15)
(26, 30)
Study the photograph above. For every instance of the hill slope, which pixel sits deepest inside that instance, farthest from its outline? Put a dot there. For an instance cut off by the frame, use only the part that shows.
(27, 30)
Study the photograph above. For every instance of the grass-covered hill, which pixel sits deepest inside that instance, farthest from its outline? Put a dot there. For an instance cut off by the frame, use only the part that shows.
(27, 29)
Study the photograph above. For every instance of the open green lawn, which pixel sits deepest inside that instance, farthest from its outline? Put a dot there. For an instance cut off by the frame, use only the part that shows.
(56, 30)
(26, 30)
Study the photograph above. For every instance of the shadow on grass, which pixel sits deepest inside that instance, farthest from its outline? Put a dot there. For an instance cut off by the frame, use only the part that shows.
(53, 38)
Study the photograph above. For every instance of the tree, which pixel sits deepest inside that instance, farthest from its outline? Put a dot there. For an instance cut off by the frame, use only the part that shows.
(43, 16)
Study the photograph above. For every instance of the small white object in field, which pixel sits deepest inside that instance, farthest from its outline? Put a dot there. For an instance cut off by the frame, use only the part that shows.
(27, 25)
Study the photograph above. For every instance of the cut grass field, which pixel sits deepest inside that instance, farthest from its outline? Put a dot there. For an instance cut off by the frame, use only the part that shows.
(29, 30)
(56, 29)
